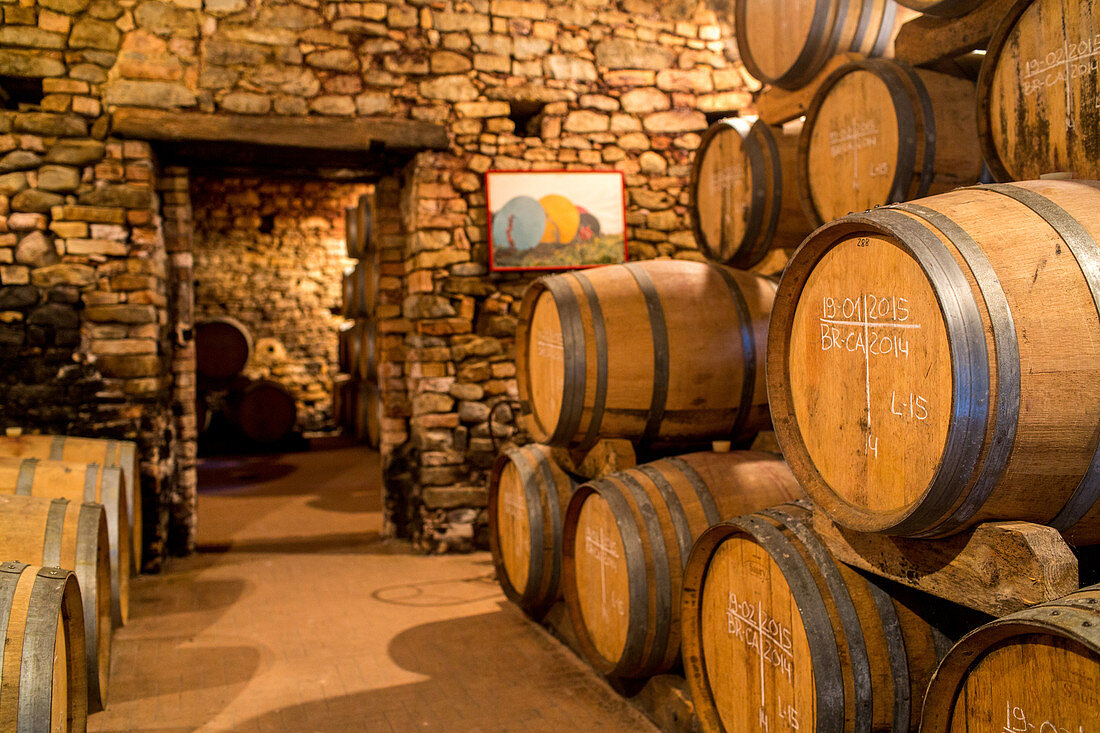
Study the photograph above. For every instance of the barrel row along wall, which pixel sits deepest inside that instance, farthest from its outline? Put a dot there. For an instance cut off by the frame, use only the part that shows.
(270, 253)
(539, 85)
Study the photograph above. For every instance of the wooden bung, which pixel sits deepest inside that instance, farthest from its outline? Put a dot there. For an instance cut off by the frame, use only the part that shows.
(81, 482)
(931, 365)
(528, 493)
(786, 42)
(744, 193)
(60, 533)
(779, 636)
(105, 452)
(1037, 110)
(1036, 670)
(661, 352)
(879, 132)
(627, 536)
(43, 683)
(223, 347)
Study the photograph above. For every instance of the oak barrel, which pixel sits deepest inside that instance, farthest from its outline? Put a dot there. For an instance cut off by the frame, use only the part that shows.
(81, 482)
(341, 400)
(43, 685)
(780, 636)
(1037, 91)
(878, 132)
(368, 413)
(627, 537)
(942, 8)
(60, 533)
(660, 352)
(222, 348)
(1034, 670)
(744, 193)
(359, 227)
(528, 493)
(787, 42)
(364, 287)
(931, 365)
(367, 361)
(347, 291)
(105, 452)
(265, 411)
(350, 340)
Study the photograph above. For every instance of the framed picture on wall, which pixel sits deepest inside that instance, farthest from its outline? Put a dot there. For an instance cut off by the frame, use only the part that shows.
(555, 220)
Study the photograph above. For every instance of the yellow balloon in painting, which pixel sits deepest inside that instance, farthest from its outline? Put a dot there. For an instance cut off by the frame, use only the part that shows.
(562, 219)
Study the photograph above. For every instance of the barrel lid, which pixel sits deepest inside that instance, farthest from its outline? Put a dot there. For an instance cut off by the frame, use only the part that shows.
(881, 360)
(602, 582)
(512, 525)
(722, 188)
(754, 645)
(768, 34)
(543, 374)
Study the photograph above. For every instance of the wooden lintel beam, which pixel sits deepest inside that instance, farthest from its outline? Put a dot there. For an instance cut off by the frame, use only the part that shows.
(354, 134)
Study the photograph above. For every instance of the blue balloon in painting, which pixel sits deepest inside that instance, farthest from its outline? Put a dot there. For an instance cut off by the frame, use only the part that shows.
(519, 224)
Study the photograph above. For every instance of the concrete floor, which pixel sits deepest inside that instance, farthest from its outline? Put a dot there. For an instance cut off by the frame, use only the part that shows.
(294, 616)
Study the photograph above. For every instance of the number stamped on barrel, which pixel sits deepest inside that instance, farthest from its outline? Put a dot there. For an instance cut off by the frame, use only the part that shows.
(1018, 721)
(878, 326)
(773, 644)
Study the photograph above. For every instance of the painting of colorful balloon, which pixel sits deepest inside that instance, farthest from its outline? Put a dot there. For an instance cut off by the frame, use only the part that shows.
(555, 220)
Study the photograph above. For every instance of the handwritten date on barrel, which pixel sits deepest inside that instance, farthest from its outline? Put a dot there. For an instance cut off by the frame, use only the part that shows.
(1017, 721)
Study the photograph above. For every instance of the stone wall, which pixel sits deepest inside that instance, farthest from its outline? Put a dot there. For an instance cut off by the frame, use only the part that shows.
(271, 253)
(519, 84)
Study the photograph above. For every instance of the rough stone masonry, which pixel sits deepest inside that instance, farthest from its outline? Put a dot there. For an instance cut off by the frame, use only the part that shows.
(97, 241)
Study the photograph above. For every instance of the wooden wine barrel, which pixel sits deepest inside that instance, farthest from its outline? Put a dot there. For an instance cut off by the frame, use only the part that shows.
(879, 132)
(81, 482)
(744, 192)
(347, 291)
(367, 362)
(528, 493)
(661, 352)
(265, 411)
(364, 287)
(353, 235)
(105, 452)
(930, 365)
(350, 337)
(787, 42)
(368, 415)
(341, 395)
(43, 684)
(1037, 109)
(942, 8)
(780, 636)
(627, 537)
(61, 533)
(1035, 670)
(222, 348)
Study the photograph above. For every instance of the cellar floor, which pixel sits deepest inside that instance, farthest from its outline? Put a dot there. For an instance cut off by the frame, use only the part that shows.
(295, 616)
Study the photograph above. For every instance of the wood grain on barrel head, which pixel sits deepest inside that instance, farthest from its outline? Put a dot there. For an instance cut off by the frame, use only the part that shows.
(602, 581)
(513, 528)
(774, 32)
(59, 696)
(723, 196)
(1036, 682)
(1039, 91)
(870, 374)
(754, 645)
(854, 146)
(546, 370)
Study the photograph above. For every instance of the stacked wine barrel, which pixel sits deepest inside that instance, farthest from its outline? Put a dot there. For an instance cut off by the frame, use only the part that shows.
(70, 537)
(261, 411)
(357, 403)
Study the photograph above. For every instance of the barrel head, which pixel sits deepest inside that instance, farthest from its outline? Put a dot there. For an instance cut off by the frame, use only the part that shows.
(602, 582)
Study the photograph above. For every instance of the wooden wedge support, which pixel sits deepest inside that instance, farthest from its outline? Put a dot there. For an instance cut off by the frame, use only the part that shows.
(776, 106)
(927, 39)
(607, 456)
(997, 567)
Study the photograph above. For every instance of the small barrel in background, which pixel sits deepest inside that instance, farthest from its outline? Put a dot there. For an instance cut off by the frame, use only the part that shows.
(787, 42)
(367, 361)
(43, 676)
(265, 411)
(1037, 111)
(368, 413)
(932, 365)
(626, 540)
(81, 482)
(364, 290)
(661, 352)
(744, 192)
(879, 132)
(105, 452)
(359, 227)
(350, 340)
(780, 636)
(222, 348)
(1035, 670)
(528, 493)
(60, 533)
